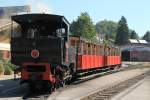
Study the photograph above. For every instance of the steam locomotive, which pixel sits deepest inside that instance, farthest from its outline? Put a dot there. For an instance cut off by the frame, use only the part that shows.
(48, 55)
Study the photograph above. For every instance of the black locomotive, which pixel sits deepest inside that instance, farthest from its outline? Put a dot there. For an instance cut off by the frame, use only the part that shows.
(39, 45)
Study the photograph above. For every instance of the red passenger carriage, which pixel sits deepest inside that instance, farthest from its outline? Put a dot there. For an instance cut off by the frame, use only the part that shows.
(94, 56)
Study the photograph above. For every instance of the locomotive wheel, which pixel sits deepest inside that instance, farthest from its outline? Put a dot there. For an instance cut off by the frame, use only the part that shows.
(32, 87)
(35, 87)
(72, 73)
(74, 77)
(116, 68)
(51, 87)
(60, 83)
(63, 83)
(60, 76)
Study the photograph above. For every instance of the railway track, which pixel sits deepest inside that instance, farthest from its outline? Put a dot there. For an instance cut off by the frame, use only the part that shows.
(93, 76)
(105, 94)
(109, 92)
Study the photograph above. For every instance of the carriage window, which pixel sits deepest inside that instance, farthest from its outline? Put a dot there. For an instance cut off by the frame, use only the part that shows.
(72, 42)
(112, 52)
(105, 51)
(93, 49)
(80, 48)
(84, 48)
(100, 50)
(89, 49)
(109, 52)
(97, 50)
(116, 52)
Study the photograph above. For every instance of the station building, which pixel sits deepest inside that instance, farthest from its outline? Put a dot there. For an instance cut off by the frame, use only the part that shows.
(5, 50)
(5, 26)
(136, 50)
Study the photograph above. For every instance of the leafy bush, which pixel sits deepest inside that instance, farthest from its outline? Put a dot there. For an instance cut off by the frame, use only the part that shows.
(9, 67)
(9, 64)
(8, 70)
(1, 69)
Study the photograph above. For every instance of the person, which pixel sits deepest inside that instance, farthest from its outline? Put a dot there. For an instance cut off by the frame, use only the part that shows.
(17, 71)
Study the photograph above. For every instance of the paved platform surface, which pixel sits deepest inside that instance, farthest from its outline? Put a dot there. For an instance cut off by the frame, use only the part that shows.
(140, 91)
(7, 77)
(81, 90)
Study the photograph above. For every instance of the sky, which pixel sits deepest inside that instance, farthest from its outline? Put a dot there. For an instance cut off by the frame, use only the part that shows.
(135, 11)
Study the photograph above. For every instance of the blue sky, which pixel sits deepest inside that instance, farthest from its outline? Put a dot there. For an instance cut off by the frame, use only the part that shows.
(135, 11)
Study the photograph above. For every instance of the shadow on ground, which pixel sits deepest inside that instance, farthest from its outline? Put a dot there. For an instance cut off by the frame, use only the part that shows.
(11, 88)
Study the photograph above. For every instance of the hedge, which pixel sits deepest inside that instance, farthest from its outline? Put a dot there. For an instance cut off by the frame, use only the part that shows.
(1, 69)
(8, 70)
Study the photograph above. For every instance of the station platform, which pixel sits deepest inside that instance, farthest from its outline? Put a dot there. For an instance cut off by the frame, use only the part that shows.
(139, 91)
(79, 91)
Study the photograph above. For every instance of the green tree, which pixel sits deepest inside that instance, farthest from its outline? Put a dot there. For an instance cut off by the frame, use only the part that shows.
(83, 26)
(122, 36)
(130, 32)
(147, 36)
(107, 27)
(134, 35)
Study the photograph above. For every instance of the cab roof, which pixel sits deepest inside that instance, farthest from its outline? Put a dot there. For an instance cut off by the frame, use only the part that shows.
(27, 18)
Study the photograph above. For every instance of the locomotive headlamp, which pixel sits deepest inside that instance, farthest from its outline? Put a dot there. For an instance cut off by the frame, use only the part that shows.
(35, 53)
